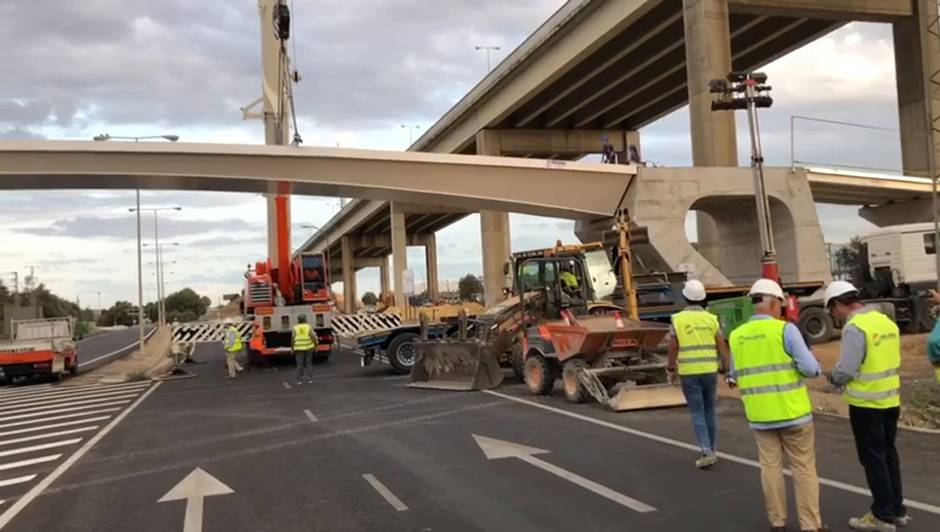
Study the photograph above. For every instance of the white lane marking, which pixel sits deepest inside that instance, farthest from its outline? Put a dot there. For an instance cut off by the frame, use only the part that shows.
(53, 426)
(274, 368)
(66, 409)
(495, 449)
(286, 386)
(23, 501)
(16, 480)
(11, 390)
(676, 443)
(194, 489)
(40, 447)
(31, 461)
(112, 353)
(386, 493)
(54, 405)
(48, 435)
(64, 398)
(71, 390)
(56, 418)
(310, 415)
(393, 377)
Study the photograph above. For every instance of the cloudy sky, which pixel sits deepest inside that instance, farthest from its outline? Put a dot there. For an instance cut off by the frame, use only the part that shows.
(138, 67)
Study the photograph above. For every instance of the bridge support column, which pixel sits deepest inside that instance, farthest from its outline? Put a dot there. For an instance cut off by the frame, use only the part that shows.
(494, 233)
(714, 140)
(349, 275)
(383, 276)
(917, 56)
(399, 253)
(430, 261)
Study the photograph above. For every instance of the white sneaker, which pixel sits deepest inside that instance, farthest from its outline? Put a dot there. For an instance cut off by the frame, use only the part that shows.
(903, 521)
(707, 460)
(870, 523)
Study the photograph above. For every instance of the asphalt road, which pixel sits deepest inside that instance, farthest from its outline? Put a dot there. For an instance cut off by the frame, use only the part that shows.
(99, 349)
(358, 451)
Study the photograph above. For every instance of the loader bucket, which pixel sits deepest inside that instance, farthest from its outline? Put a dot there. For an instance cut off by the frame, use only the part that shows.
(455, 365)
(628, 395)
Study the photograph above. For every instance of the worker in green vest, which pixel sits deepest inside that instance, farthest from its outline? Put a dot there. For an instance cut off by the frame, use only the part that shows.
(232, 342)
(868, 372)
(769, 359)
(695, 341)
(304, 343)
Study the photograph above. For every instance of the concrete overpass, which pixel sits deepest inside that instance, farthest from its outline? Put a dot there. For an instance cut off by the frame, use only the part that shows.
(607, 68)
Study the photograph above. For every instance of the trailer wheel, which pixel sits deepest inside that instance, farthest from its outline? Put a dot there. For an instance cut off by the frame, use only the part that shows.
(574, 391)
(517, 362)
(402, 354)
(539, 374)
(816, 325)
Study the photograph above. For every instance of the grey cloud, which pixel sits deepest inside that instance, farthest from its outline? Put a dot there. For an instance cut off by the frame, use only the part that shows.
(126, 227)
(180, 62)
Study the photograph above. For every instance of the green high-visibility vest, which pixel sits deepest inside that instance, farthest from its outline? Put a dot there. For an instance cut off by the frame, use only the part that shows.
(695, 332)
(937, 374)
(302, 340)
(569, 280)
(771, 387)
(233, 340)
(877, 384)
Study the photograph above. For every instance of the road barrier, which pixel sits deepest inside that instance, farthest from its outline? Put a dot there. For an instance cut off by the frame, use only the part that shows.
(352, 324)
(205, 332)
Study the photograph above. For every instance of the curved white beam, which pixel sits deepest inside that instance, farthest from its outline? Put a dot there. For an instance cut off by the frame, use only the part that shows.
(547, 188)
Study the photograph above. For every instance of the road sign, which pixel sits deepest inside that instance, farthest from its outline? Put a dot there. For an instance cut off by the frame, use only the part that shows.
(495, 449)
(194, 489)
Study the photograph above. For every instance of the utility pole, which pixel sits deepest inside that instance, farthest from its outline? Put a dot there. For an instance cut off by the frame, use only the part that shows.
(488, 49)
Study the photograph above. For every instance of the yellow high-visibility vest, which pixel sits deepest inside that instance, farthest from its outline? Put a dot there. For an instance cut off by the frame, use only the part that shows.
(877, 384)
(233, 340)
(695, 332)
(771, 387)
(569, 280)
(302, 340)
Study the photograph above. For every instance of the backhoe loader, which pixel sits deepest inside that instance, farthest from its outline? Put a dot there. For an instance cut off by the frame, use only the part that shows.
(558, 327)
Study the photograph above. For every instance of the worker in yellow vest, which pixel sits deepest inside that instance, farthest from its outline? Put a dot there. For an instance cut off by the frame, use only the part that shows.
(304, 343)
(868, 372)
(769, 360)
(695, 341)
(232, 342)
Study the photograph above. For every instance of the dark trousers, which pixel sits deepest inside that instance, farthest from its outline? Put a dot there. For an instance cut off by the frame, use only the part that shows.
(875, 430)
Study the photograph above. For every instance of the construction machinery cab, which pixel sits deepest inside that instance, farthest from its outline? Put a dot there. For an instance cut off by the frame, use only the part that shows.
(557, 284)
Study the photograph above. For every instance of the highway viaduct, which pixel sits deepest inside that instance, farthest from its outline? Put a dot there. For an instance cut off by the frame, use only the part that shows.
(606, 69)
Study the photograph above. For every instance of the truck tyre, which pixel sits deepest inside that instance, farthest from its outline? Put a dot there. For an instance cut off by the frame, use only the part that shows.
(321, 357)
(816, 325)
(574, 391)
(539, 374)
(517, 362)
(401, 353)
(73, 369)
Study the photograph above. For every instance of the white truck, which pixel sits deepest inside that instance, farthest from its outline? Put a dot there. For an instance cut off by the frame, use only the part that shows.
(40, 348)
(899, 267)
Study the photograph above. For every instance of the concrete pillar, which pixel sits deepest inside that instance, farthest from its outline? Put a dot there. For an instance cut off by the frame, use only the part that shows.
(383, 276)
(430, 261)
(708, 57)
(349, 275)
(917, 58)
(494, 233)
(399, 253)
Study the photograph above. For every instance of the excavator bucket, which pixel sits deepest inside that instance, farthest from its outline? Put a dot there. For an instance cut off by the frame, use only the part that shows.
(601, 384)
(455, 365)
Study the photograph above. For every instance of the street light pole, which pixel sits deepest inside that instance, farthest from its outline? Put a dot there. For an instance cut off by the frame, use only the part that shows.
(411, 129)
(488, 49)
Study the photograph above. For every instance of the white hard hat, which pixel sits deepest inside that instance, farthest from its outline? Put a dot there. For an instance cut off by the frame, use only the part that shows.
(228, 321)
(766, 287)
(836, 289)
(694, 290)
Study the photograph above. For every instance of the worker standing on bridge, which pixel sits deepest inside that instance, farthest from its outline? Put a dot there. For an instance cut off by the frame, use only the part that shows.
(768, 361)
(868, 367)
(695, 341)
(233, 346)
(304, 342)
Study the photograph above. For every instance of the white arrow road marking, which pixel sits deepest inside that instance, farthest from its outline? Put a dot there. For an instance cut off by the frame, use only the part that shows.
(386, 493)
(194, 489)
(495, 449)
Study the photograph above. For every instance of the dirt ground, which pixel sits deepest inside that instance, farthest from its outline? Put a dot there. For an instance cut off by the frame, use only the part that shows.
(920, 393)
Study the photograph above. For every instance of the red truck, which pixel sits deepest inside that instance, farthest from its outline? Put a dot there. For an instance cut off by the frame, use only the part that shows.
(40, 348)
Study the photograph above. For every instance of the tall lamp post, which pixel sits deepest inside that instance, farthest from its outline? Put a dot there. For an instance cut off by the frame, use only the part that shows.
(140, 259)
(161, 304)
(488, 49)
(411, 135)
